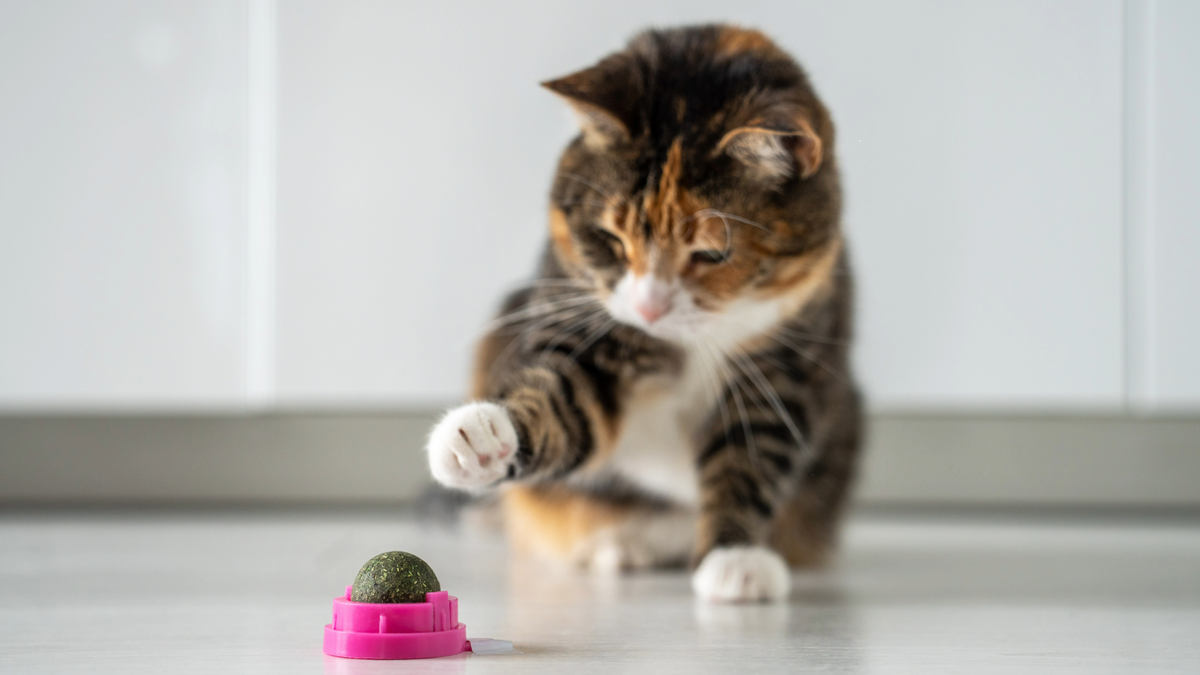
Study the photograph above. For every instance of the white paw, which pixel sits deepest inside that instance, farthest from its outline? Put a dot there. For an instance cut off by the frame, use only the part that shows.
(742, 574)
(472, 447)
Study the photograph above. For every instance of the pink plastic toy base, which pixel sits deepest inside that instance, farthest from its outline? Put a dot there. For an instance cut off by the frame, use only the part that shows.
(419, 630)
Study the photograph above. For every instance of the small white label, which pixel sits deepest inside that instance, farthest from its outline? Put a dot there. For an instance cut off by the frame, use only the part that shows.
(488, 646)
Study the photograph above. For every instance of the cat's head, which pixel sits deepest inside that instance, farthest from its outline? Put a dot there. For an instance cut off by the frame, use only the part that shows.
(701, 196)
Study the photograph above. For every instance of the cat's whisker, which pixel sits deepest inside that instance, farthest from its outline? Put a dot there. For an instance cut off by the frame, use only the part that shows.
(718, 387)
(736, 388)
(740, 219)
(554, 315)
(538, 309)
(570, 329)
(772, 395)
(725, 221)
(723, 247)
(754, 395)
(537, 284)
(699, 214)
(724, 216)
(722, 362)
(551, 292)
(747, 430)
(588, 201)
(583, 346)
(566, 314)
(556, 282)
(549, 316)
(539, 325)
(806, 354)
(800, 335)
(770, 358)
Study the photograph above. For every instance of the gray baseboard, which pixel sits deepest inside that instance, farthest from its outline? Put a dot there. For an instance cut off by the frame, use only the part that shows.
(1033, 460)
(213, 458)
(371, 458)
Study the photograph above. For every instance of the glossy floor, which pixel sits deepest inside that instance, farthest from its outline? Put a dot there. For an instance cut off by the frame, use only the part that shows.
(249, 593)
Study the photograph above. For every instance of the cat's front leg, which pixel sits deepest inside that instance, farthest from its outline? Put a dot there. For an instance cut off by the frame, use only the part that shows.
(743, 485)
(545, 422)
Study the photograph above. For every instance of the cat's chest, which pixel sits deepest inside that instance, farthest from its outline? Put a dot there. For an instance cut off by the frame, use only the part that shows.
(656, 447)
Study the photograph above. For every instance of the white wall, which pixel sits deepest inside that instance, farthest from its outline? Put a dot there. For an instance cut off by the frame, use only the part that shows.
(983, 146)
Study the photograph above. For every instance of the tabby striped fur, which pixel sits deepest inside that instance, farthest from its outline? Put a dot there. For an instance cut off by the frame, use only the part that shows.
(676, 379)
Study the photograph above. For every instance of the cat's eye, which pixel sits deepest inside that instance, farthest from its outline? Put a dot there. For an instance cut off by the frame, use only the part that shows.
(614, 242)
(711, 256)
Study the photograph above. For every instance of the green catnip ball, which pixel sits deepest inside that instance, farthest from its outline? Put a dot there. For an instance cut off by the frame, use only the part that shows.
(394, 576)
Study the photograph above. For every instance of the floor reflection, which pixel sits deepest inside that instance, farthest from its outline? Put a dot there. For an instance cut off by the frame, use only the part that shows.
(446, 665)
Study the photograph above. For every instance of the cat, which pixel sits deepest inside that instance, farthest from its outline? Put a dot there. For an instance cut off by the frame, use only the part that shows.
(675, 384)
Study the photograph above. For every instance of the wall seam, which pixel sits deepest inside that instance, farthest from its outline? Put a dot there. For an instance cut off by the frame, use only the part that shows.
(261, 203)
(1138, 262)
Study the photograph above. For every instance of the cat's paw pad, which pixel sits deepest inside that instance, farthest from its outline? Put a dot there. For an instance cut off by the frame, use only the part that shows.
(472, 447)
(742, 574)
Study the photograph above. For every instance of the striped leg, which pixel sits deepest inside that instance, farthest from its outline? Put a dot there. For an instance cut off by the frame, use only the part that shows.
(546, 421)
(747, 475)
(736, 562)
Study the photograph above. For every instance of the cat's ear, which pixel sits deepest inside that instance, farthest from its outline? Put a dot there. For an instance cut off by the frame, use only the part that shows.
(603, 98)
(776, 151)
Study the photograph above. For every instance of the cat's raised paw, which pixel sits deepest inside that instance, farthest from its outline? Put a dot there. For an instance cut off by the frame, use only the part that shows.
(742, 574)
(472, 447)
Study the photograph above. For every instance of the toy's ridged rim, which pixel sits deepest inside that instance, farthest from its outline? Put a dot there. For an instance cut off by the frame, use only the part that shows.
(386, 646)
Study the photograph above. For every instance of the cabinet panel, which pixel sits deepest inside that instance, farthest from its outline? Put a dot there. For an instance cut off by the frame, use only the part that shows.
(121, 202)
(981, 144)
(1174, 356)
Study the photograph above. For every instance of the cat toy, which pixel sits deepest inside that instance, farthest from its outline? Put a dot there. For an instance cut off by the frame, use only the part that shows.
(396, 609)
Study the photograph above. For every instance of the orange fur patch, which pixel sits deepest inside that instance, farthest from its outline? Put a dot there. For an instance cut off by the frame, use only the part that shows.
(811, 150)
(664, 208)
(560, 233)
(800, 280)
(620, 220)
(554, 521)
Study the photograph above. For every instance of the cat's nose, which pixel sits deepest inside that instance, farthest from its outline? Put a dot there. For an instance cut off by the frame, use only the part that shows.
(652, 312)
(651, 298)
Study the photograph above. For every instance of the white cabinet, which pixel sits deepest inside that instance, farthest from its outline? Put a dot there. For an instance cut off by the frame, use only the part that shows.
(121, 198)
(1164, 206)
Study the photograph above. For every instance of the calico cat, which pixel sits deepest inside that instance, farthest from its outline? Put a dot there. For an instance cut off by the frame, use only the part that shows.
(675, 383)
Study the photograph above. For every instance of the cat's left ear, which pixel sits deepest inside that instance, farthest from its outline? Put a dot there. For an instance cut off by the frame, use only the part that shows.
(603, 97)
(776, 151)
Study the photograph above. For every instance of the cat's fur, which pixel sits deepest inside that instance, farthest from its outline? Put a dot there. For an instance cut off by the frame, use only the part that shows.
(675, 384)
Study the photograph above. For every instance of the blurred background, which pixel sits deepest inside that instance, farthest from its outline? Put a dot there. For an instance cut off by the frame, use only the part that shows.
(246, 246)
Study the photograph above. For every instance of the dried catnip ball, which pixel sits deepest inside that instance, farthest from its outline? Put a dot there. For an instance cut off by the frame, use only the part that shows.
(394, 576)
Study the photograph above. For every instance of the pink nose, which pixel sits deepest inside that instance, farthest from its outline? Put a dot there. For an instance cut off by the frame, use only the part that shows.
(652, 310)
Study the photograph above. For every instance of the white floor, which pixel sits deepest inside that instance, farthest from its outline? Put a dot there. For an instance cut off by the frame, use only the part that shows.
(249, 593)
